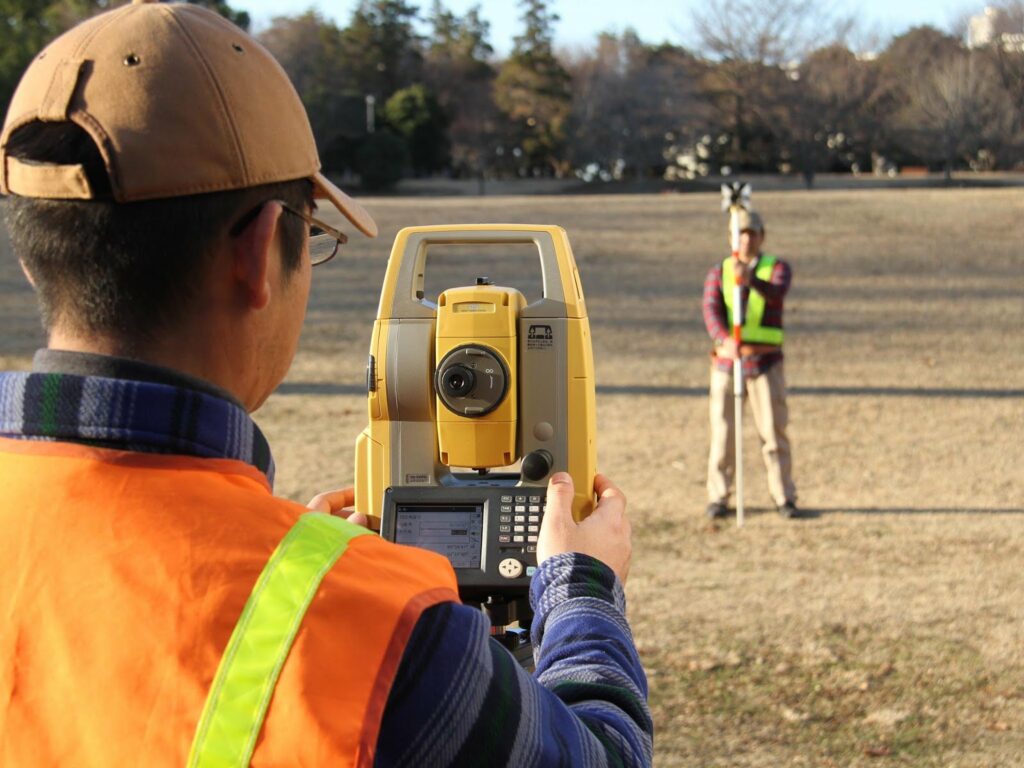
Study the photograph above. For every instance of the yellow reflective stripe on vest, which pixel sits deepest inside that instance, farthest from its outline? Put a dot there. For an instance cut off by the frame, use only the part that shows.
(237, 703)
(753, 331)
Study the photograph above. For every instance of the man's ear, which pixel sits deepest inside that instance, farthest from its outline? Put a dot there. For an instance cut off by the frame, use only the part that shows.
(252, 250)
(28, 275)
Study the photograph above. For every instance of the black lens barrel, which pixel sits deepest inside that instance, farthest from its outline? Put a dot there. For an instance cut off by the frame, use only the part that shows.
(458, 381)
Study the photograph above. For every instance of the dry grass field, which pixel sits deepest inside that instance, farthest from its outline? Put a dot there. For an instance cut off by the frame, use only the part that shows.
(886, 629)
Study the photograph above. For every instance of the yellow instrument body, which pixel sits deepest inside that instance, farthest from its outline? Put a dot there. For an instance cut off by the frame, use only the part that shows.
(538, 358)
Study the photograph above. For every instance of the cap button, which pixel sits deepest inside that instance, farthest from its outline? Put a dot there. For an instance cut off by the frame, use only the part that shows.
(144, 2)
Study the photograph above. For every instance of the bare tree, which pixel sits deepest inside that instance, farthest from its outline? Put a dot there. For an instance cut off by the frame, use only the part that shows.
(757, 46)
(767, 32)
(1009, 66)
(1008, 62)
(959, 109)
(627, 97)
(830, 111)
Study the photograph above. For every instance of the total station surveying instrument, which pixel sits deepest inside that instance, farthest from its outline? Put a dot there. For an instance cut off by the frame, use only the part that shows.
(474, 402)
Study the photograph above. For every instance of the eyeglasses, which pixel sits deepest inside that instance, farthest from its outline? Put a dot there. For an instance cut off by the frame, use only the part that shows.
(324, 240)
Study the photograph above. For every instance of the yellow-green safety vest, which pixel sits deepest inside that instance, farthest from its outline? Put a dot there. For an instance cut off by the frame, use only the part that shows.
(752, 332)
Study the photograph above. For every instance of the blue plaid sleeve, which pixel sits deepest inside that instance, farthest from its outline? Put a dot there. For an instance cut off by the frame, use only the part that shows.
(460, 699)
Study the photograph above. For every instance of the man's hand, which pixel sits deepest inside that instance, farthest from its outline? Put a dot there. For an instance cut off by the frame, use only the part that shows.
(340, 503)
(604, 535)
(743, 271)
(728, 349)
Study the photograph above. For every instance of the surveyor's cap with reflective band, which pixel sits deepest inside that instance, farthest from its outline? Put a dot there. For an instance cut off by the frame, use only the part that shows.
(750, 220)
(178, 100)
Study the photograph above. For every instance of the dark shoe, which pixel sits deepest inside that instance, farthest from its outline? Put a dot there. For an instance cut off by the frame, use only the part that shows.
(789, 510)
(716, 509)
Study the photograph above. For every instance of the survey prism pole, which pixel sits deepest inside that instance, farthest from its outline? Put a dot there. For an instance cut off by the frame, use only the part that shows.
(736, 198)
(737, 364)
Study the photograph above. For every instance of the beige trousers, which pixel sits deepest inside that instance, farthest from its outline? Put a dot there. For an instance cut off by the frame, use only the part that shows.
(767, 396)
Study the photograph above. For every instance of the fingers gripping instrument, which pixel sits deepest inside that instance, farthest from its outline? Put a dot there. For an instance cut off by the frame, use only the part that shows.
(461, 390)
(735, 198)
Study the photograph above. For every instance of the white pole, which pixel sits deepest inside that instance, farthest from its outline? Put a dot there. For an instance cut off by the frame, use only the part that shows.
(737, 393)
(737, 368)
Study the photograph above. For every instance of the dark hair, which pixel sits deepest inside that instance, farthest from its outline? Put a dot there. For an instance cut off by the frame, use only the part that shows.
(128, 270)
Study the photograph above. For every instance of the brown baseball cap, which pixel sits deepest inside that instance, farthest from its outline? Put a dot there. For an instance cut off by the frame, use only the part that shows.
(178, 100)
(750, 220)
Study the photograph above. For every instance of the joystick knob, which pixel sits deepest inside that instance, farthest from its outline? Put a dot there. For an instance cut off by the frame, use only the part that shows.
(537, 465)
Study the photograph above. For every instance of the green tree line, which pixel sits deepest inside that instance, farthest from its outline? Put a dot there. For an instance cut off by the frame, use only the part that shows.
(404, 91)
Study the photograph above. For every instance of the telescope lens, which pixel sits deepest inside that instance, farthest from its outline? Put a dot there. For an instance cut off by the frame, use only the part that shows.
(471, 381)
(458, 381)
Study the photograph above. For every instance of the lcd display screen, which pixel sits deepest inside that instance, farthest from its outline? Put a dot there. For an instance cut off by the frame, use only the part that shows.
(455, 531)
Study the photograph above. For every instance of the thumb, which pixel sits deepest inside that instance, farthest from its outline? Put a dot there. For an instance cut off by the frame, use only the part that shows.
(560, 495)
(319, 503)
(359, 518)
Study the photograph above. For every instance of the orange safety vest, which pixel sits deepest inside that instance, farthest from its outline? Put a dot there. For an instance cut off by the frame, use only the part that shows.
(123, 575)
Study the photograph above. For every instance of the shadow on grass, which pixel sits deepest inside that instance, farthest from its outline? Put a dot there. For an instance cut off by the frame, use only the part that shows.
(730, 516)
(332, 388)
(950, 392)
(919, 511)
(813, 513)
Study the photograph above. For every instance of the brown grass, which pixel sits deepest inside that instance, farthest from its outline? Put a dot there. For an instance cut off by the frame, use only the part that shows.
(887, 630)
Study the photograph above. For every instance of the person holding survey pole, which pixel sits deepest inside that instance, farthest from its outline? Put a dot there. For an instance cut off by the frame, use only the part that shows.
(761, 282)
(160, 605)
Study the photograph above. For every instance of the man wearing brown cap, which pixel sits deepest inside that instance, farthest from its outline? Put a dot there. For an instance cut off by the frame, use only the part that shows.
(160, 605)
(764, 280)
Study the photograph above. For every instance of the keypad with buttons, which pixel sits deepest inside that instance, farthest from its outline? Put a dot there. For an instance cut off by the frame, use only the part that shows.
(527, 512)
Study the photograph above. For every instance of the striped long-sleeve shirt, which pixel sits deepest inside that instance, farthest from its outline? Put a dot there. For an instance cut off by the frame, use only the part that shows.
(459, 698)
(716, 317)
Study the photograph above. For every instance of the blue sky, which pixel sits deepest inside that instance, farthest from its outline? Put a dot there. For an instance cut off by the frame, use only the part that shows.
(654, 20)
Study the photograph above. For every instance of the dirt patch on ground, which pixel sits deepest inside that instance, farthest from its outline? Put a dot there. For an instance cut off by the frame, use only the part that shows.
(886, 629)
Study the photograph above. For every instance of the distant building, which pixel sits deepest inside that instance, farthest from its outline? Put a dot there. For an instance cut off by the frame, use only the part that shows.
(994, 26)
(981, 29)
